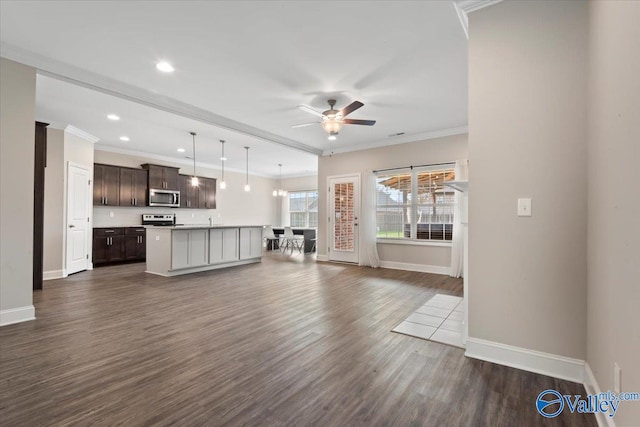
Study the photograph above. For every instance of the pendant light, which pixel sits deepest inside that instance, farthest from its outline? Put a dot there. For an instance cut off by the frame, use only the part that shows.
(280, 192)
(194, 178)
(223, 184)
(247, 187)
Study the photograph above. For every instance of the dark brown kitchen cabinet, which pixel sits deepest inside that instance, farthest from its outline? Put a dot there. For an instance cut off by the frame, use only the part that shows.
(210, 193)
(106, 185)
(162, 177)
(119, 244)
(133, 187)
(108, 245)
(135, 244)
(201, 197)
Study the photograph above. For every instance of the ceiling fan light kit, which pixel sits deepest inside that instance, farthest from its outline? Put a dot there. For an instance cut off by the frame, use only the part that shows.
(333, 120)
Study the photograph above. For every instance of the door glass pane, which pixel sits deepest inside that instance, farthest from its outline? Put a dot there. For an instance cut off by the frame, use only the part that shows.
(343, 217)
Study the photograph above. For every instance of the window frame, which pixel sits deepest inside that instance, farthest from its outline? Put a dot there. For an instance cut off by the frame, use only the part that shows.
(413, 207)
(306, 212)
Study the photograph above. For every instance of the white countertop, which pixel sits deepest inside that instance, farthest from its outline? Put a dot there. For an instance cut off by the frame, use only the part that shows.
(198, 226)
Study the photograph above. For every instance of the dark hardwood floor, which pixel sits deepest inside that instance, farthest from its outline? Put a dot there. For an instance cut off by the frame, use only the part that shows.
(285, 342)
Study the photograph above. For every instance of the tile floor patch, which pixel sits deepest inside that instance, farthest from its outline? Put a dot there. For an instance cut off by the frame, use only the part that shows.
(439, 319)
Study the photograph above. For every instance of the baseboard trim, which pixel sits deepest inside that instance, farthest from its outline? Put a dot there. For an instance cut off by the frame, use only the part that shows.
(17, 315)
(52, 274)
(562, 367)
(324, 258)
(592, 387)
(423, 268)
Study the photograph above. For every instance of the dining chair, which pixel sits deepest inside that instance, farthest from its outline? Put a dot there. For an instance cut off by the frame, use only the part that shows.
(290, 240)
(271, 240)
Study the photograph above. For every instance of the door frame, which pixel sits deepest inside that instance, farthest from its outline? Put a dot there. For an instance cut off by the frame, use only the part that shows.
(65, 224)
(358, 204)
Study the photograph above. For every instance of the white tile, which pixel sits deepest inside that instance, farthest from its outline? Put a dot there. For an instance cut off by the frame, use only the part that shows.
(425, 319)
(452, 325)
(456, 315)
(434, 311)
(447, 337)
(415, 330)
(448, 304)
(443, 297)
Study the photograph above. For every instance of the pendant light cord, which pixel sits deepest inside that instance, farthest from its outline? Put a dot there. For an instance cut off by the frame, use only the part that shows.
(193, 134)
(222, 159)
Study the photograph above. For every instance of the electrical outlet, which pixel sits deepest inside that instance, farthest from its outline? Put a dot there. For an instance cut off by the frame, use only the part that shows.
(157, 237)
(111, 214)
(524, 207)
(193, 215)
(617, 378)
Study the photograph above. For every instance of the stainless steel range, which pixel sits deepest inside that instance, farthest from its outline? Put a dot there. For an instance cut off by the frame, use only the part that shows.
(158, 219)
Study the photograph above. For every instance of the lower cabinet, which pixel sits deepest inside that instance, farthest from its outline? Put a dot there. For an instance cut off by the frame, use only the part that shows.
(189, 248)
(118, 244)
(250, 243)
(223, 245)
(135, 246)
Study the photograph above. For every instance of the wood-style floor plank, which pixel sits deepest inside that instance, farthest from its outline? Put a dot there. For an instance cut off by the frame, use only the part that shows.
(285, 342)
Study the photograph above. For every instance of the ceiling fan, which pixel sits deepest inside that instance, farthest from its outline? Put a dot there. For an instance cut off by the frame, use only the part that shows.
(332, 119)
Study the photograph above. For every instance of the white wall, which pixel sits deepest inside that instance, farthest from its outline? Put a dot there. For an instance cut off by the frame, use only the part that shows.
(438, 150)
(527, 133)
(234, 206)
(17, 124)
(53, 258)
(613, 153)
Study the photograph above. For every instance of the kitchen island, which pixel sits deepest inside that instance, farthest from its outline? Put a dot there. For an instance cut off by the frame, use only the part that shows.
(176, 250)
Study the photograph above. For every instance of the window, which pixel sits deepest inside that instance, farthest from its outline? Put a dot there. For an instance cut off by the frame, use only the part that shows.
(303, 208)
(415, 204)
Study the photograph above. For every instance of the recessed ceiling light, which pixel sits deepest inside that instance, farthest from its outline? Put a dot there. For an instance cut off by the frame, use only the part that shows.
(331, 138)
(180, 150)
(124, 138)
(113, 117)
(165, 67)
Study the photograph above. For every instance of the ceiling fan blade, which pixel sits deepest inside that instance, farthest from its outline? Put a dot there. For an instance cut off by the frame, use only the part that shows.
(351, 108)
(310, 110)
(359, 122)
(301, 125)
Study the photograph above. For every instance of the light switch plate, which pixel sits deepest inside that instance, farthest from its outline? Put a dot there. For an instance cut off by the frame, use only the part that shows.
(157, 237)
(617, 378)
(111, 214)
(524, 207)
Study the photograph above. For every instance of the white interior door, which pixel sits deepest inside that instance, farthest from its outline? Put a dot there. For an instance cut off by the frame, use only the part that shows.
(78, 198)
(344, 211)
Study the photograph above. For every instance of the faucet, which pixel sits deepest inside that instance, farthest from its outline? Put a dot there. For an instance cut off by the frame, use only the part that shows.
(210, 221)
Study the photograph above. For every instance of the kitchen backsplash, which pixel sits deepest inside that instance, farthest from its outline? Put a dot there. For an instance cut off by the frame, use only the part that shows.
(113, 216)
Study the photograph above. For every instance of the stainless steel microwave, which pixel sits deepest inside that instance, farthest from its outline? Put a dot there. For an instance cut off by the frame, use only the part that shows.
(165, 198)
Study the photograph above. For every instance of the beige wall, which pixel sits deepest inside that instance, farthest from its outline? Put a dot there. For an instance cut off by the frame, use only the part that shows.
(438, 150)
(234, 206)
(17, 122)
(527, 132)
(53, 259)
(613, 256)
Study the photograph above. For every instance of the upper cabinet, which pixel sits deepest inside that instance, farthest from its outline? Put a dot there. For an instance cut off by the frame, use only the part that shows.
(133, 187)
(162, 177)
(106, 185)
(202, 196)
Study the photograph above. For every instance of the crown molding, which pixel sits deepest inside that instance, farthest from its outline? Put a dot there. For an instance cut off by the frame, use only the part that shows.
(404, 139)
(62, 71)
(81, 134)
(169, 159)
(465, 7)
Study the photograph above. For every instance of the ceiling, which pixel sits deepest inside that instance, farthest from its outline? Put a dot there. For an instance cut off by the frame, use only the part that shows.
(243, 67)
